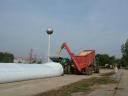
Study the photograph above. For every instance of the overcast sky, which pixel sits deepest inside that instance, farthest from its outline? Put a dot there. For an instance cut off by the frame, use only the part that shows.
(84, 24)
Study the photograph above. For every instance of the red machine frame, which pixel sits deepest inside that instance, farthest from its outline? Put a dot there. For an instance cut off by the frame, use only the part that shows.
(81, 63)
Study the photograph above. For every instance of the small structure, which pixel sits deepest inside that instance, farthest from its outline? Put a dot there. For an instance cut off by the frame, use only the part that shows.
(22, 60)
(115, 69)
(19, 60)
(49, 32)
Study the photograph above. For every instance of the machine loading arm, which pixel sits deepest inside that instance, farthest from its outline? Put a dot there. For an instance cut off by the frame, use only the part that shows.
(64, 45)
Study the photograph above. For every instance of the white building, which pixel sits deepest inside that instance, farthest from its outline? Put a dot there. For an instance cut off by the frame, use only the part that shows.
(21, 60)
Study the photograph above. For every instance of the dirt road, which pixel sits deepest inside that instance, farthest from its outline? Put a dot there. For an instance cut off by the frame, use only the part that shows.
(122, 88)
(119, 89)
(33, 87)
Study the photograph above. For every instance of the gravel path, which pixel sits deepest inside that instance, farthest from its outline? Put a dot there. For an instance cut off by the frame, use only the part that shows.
(33, 87)
(120, 89)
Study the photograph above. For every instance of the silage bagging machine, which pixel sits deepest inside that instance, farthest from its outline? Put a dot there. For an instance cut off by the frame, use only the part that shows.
(82, 63)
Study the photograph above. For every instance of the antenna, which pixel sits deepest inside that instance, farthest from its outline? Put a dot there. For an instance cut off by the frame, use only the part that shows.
(31, 53)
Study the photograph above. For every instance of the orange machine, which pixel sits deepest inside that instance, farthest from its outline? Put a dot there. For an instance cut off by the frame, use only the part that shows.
(83, 63)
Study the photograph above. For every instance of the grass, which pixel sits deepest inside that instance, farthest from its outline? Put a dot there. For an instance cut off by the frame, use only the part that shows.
(80, 86)
(108, 74)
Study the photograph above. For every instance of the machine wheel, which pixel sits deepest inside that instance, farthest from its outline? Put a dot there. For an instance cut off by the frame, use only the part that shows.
(97, 70)
(89, 71)
(67, 69)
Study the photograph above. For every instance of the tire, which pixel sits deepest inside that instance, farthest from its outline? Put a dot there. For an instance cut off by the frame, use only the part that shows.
(89, 71)
(97, 70)
(67, 69)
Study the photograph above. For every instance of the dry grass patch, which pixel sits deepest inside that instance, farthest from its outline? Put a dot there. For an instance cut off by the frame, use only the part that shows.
(84, 85)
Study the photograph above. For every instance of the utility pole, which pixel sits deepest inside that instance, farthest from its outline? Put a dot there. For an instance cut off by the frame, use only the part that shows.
(30, 58)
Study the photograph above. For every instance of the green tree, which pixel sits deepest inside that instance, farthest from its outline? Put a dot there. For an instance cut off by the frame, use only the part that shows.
(112, 60)
(102, 59)
(124, 50)
(6, 57)
(106, 59)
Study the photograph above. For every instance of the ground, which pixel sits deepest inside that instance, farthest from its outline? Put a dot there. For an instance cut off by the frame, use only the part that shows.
(34, 87)
(116, 89)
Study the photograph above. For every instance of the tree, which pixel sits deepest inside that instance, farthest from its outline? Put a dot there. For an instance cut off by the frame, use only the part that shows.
(106, 59)
(102, 59)
(124, 50)
(6, 57)
(112, 60)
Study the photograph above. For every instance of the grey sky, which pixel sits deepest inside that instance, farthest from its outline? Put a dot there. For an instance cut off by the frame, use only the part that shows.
(83, 24)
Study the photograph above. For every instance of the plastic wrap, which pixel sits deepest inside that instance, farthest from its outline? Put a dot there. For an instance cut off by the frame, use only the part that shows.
(10, 72)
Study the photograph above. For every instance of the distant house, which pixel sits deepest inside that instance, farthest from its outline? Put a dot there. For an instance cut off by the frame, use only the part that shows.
(27, 60)
(21, 60)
